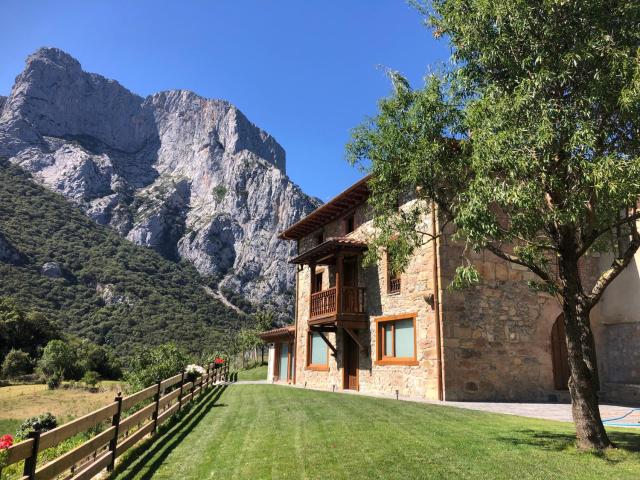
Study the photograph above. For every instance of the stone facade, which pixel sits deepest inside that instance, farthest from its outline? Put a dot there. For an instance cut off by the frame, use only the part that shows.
(496, 342)
(417, 285)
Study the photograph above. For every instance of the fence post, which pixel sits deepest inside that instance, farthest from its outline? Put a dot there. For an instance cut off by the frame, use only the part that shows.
(115, 422)
(157, 411)
(30, 462)
(208, 375)
(180, 396)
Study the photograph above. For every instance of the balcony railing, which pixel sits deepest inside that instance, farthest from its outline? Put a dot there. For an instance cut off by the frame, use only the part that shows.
(325, 303)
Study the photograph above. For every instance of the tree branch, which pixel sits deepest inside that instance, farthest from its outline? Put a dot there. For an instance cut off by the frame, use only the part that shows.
(618, 264)
(513, 259)
(597, 233)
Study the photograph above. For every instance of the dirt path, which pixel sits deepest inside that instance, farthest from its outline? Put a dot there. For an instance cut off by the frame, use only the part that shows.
(220, 296)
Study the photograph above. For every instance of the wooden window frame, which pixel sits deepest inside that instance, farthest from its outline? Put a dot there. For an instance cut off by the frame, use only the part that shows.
(403, 361)
(317, 367)
(319, 271)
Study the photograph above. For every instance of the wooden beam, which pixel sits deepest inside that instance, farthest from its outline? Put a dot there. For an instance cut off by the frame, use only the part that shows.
(326, 340)
(324, 328)
(355, 338)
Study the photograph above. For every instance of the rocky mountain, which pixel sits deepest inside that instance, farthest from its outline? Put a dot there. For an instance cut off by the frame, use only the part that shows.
(190, 177)
(92, 283)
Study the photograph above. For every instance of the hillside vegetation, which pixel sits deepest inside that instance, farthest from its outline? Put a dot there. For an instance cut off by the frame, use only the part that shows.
(111, 291)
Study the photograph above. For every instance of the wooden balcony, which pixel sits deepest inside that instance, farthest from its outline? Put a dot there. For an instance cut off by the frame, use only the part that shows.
(346, 304)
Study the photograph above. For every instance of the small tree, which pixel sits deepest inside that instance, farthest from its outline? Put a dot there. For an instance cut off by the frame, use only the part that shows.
(91, 378)
(16, 363)
(59, 360)
(153, 363)
(528, 144)
(264, 320)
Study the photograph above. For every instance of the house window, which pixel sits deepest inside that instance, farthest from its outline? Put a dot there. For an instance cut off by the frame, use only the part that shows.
(317, 353)
(393, 278)
(320, 238)
(317, 282)
(396, 340)
(349, 224)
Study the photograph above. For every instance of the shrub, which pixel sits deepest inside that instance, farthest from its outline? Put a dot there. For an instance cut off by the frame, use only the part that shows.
(53, 381)
(40, 423)
(153, 363)
(16, 363)
(91, 378)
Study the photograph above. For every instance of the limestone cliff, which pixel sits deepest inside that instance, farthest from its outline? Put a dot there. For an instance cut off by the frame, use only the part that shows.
(190, 177)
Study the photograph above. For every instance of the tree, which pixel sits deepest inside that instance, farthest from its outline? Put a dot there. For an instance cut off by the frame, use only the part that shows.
(59, 360)
(248, 339)
(527, 144)
(16, 363)
(23, 331)
(264, 320)
(153, 363)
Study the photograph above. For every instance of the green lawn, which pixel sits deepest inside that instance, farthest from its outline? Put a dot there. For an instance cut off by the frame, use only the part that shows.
(9, 425)
(269, 431)
(256, 373)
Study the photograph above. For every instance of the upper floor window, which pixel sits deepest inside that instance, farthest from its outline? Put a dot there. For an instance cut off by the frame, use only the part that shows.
(393, 278)
(396, 340)
(320, 237)
(349, 224)
(317, 282)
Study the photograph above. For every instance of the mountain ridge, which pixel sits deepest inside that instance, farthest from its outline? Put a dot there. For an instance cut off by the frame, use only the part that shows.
(191, 177)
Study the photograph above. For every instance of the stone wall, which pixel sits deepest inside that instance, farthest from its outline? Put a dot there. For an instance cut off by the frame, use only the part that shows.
(496, 335)
(416, 286)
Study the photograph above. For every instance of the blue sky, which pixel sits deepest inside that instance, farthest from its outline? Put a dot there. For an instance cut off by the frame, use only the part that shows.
(305, 71)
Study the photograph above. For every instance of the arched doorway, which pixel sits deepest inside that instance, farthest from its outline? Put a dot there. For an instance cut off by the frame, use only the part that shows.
(559, 355)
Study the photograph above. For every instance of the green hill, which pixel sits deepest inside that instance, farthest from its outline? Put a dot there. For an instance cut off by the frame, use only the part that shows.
(148, 300)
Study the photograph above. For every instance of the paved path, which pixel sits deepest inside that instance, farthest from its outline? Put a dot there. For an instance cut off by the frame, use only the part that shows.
(547, 411)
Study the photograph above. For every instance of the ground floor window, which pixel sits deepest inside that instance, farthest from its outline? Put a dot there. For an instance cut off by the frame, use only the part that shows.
(317, 352)
(396, 340)
(284, 364)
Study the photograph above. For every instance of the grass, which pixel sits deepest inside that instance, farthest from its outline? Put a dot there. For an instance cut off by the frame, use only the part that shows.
(9, 425)
(258, 372)
(268, 431)
(18, 402)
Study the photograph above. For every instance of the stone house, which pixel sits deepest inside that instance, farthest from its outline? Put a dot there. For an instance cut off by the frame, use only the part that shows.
(363, 328)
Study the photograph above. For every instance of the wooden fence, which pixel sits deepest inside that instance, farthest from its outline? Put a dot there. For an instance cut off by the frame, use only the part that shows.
(100, 452)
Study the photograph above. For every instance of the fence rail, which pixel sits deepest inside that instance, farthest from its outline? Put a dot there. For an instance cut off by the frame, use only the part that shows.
(99, 452)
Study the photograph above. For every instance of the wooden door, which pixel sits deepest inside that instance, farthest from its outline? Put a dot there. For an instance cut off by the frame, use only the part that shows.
(350, 278)
(350, 357)
(559, 355)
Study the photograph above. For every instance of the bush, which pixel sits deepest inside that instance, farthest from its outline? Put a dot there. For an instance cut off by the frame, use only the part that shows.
(41, 423)
(91, 378)
(16, 364)
(59, 359)
(153, 363)
(53, 381)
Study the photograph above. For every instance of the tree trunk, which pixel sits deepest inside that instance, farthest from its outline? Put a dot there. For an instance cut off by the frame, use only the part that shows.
(583, 383)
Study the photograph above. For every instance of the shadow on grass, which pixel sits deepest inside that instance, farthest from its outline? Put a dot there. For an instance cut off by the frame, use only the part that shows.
(233, 377)
(169, 437)
(553, 441)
